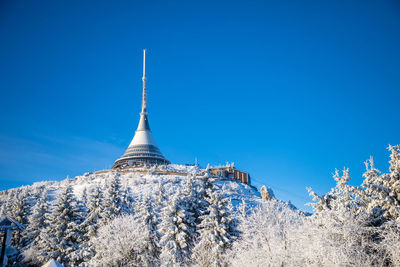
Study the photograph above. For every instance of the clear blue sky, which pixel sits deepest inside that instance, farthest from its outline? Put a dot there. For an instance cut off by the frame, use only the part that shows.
(288, 90)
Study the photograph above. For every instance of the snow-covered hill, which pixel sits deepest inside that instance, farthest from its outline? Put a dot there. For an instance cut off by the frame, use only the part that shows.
(135, 184)
(181, 216)
(93, 199)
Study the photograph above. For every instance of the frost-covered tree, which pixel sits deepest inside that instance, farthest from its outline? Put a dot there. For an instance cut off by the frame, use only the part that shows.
(91, 223)
(112, 201)
(119, 243)
(8, 202)
(218, 230)
(95, 208)
(62, 235)
(84, 197)
(382, 191)
(177, 232)
(391, 242)
(20, 211)
(146, 219)
(341, 219)
(161, 196)
(206, 182)
(194, 195)
(339, 238)
(91, 219)
(343, 196)
(267, 238)
(37, 220)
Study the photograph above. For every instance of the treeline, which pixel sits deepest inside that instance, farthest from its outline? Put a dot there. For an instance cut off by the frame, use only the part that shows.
(111, 226)
(192, 222)
(350, 226)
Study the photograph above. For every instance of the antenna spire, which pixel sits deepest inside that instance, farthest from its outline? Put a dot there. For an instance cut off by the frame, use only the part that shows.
(144, 96)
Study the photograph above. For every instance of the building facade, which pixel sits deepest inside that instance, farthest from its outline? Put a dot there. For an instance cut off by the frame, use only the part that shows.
(231, 173)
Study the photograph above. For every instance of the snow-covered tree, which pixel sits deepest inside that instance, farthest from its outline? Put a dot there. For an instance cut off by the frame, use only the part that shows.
(119, 243)
(193, 194)
(177, 232)
(95, 208)
(84, 197)
(146, 219)
(343, 196)
(382, 191)
(112, 201)
(92, 221)
(391, 242)
(8, 201)
(218, 230)
(160, 193)
(20, 211)
(62, 235)
(339, 238)
(37, 220)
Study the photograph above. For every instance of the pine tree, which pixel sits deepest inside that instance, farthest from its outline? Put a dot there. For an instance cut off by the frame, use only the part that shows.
(176, 229)
(127, 202)
(62, 235)
(84, 197)
(8, 203)
(382, 191)
(20, 212)
(146, 219)
(341, 197)
(37, 220)
(112, 203)
(193, 196)
(218, 230)
(90, 225)
(161, 197)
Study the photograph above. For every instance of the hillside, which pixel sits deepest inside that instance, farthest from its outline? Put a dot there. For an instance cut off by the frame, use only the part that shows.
(124, 191)
(183, 216)
(136, 184)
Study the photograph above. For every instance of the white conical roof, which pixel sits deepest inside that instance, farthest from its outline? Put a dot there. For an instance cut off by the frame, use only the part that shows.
(143, 135)
(143, 146)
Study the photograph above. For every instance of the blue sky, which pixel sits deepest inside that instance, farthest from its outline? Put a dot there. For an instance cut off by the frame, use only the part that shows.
(288, 90)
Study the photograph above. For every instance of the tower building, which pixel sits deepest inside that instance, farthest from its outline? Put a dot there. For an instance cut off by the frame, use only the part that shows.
(142, 149)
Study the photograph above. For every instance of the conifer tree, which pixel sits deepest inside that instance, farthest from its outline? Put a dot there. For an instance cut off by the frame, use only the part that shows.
(382, 191)
(37, 220)
(112, 203)
(62, 235)
(20, 211)
(176, 228)
(160, 195)
(218, 230)
(193, 196)
(127, 202)
(146, 219)
(342, 197)
(84, 197)
(90, 225)
(8, 202)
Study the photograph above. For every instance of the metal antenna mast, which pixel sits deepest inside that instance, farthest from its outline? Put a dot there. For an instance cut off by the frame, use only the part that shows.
(144, 96)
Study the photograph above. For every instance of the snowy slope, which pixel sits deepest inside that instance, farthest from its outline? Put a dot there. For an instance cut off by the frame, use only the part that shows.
(137, 184)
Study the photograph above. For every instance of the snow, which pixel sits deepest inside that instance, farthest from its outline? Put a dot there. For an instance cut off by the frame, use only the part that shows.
(183, 216)
(52, 263)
